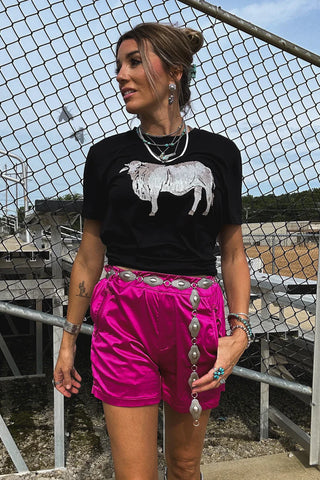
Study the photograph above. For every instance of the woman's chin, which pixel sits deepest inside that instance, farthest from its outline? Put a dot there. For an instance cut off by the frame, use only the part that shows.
(132, 109)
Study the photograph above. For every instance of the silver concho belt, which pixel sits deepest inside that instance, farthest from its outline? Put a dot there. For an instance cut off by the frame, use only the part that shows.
(194, 325)
(154, 280)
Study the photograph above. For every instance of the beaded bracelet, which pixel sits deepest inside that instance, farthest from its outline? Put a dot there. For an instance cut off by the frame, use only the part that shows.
(250, 340)
(246, 323)
(71, 327)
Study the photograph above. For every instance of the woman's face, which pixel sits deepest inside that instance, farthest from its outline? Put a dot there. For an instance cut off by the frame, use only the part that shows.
(134, 85)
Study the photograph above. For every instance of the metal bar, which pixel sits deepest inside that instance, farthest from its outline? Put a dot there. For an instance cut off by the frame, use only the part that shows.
(58, 399)
(39, 341)
(264, 390)
(24, 377)
(49, 319)
(290, 427)
(12, 325)
(10, 360)
(29, 314)
(314, 458)
(274, 381)
(12, 448)
(253, 30)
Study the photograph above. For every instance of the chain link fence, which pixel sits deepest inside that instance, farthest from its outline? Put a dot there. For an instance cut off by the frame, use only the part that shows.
(59, 94)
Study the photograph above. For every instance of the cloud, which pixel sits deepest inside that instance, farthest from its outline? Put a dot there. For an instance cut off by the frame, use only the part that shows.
(271, 13)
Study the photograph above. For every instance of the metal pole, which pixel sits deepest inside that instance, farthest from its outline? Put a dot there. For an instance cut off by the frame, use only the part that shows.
(12, 448)
(314, 458)
(253, 30)
(29, 314)
(23, 182)
(49, 319)
(264, 389)
(275, 381)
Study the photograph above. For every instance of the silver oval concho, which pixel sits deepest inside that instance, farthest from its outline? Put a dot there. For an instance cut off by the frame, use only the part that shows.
(152, 280)
(194, 299)
(205, 283)
(194, 354)
(194, 376)
(127, 275)
(181, 284)
(195, 410)
(194, 327)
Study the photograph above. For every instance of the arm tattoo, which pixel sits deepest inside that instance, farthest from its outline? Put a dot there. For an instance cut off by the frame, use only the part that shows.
(82, 291)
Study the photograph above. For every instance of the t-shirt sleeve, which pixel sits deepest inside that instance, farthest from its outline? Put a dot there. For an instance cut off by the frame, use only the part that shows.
(92, 189)
(233, 187)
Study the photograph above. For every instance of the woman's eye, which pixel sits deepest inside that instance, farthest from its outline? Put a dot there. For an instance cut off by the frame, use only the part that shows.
(135, 62)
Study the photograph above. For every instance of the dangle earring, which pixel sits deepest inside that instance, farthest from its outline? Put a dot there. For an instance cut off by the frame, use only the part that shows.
(172, 89)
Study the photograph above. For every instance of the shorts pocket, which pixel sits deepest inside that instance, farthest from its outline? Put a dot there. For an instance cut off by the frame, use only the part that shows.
(212, 325)
(97, 299)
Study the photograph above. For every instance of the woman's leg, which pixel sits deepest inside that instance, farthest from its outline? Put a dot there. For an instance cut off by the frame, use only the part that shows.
(183, 444)
(133, 437)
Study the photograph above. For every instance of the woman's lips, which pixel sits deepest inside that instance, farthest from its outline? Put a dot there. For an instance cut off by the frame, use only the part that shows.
(128, 93)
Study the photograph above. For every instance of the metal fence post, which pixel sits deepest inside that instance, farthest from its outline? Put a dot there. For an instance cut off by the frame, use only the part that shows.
(57, 336)
(264, 390)
(314, 458)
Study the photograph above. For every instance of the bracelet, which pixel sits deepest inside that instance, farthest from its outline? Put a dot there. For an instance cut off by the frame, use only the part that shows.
(72, 328)
(246, 323)
(250, 339)
(237, 315)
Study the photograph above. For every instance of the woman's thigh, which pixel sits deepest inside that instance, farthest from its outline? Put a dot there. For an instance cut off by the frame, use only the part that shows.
(184, 442)
(133, 437)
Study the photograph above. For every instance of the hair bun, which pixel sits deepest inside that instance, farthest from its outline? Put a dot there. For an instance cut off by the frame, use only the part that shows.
(195, 39)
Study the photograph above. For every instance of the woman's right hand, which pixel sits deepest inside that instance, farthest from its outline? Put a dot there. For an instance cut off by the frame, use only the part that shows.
(66, 379)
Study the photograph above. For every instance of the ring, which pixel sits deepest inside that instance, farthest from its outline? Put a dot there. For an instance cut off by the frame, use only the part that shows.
(222, 381)
(54, 383)
(218, 372)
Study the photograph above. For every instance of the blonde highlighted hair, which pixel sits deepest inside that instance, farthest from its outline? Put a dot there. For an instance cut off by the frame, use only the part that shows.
(174, 46)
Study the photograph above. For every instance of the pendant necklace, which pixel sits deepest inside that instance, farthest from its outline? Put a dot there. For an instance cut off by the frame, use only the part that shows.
(165, 157)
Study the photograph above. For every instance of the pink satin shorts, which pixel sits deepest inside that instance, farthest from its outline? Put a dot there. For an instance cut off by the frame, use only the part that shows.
(141, 340)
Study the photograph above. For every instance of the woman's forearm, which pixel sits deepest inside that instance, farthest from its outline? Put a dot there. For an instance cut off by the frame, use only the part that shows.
(82, 282)
(236, 280)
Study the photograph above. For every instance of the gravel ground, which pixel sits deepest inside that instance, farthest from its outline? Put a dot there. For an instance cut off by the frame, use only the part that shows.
(27, 408)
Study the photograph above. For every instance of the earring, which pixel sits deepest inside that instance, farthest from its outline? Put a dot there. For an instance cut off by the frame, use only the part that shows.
(172, 89)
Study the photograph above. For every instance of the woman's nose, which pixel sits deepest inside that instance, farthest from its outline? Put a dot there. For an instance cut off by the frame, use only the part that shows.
(122, 74)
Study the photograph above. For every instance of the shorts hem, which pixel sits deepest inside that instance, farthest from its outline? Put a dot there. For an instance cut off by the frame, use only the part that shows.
(208, 405)
(124, 402)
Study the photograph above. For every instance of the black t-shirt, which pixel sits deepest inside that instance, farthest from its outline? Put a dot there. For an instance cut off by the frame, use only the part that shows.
(163, 217)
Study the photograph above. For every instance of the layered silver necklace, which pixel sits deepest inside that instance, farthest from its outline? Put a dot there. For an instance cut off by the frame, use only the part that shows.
(163, 148)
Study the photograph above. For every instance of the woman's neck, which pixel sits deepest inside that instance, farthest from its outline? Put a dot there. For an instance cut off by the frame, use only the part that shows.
(163, 125)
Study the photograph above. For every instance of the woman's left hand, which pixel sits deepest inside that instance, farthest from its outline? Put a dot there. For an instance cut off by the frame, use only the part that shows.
(230, 349)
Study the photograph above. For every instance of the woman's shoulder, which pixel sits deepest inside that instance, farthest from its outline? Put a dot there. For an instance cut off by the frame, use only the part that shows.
(216, 139)
(114, 141)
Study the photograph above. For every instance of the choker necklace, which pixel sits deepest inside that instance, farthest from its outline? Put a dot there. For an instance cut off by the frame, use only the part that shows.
(164, 156)
(159, 136)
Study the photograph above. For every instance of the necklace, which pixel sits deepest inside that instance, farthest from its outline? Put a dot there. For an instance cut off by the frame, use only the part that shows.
(164, 156)
(159, 136)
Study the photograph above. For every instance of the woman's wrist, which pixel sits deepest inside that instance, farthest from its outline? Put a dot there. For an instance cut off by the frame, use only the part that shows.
(72, 328)
(240, 326)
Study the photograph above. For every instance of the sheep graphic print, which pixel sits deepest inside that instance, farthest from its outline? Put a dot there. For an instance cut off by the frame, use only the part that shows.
(149, 180)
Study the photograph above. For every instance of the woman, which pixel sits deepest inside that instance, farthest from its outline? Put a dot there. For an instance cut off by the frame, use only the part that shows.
(158, 196)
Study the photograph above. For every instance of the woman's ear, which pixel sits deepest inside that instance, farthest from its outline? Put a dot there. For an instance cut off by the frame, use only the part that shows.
(176, 73)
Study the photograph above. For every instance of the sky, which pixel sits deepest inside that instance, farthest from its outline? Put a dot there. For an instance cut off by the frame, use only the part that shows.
(60, 54)
(296, 20)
